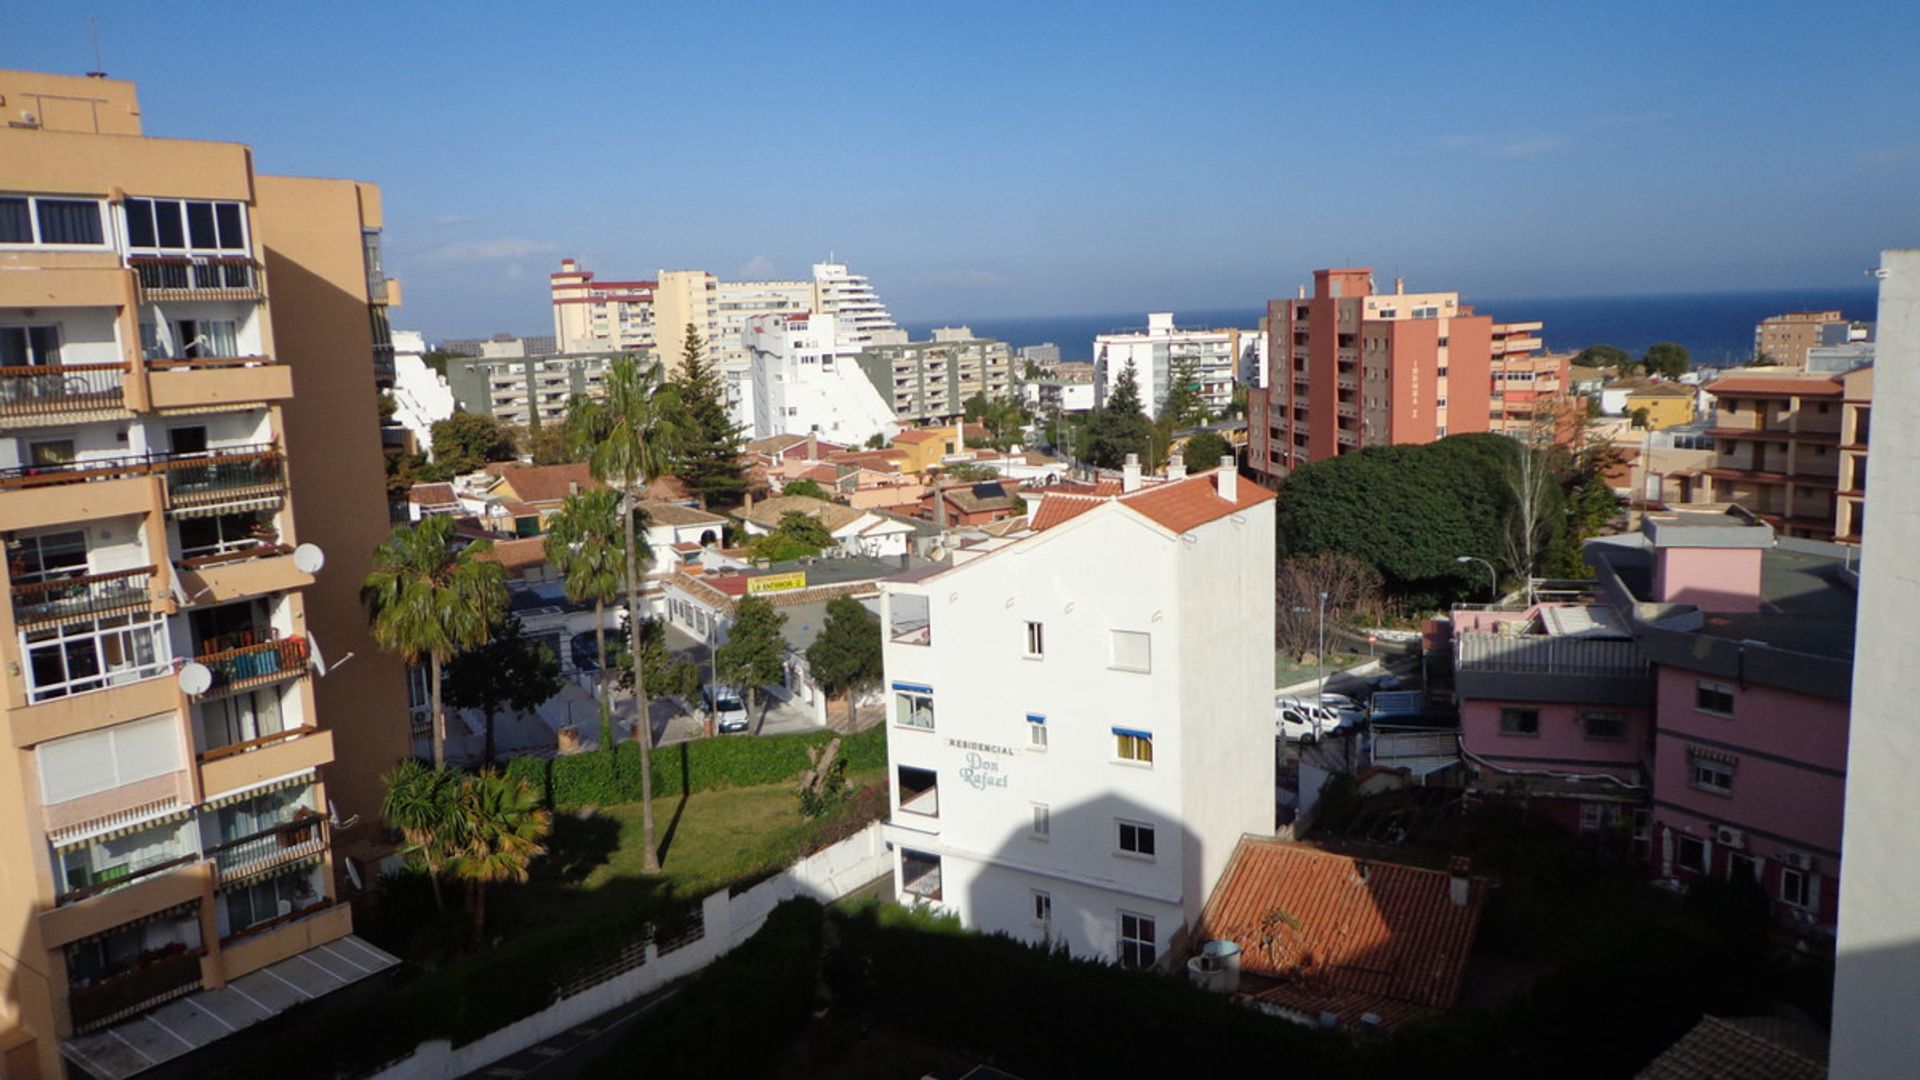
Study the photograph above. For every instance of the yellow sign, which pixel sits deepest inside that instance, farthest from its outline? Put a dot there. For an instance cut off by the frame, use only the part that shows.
(777, 583)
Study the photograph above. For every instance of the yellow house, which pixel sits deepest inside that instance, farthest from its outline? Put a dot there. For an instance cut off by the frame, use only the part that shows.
(1667, 404)
(924, 447)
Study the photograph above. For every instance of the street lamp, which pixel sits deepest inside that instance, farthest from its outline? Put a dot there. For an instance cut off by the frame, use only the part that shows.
(1493, 576)
(1321, 656)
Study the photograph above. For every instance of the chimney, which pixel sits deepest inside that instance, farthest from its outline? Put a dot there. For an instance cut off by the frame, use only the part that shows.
(573, 487)
(940, 506)
(567, 266)
(1228, 478)
(1399, 286)
(813, 446)
(1130, 475)
(1459, 884)
(1302, 294)
(1177, 467)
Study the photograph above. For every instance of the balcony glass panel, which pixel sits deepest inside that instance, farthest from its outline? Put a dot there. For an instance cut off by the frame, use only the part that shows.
(107, 862)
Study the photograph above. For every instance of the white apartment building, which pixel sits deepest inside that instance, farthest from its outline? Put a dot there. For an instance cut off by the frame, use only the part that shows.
(806, 379)
(421, 396)
(849, 297)
(1080, 715)
(735, 302)
(1155, 352)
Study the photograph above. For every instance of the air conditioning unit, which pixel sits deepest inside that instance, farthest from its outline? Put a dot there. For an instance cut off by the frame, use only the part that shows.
(1727, 836)
(1798, 860)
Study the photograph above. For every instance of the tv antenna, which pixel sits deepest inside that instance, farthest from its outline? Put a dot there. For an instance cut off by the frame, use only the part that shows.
(98, 72)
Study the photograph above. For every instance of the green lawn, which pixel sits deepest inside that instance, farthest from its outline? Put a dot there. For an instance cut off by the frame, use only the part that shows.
(1286, 671)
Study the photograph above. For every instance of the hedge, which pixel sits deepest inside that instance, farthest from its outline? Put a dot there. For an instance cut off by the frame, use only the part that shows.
(600, 777)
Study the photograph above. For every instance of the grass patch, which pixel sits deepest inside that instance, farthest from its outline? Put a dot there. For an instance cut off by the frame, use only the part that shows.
(1288, 671)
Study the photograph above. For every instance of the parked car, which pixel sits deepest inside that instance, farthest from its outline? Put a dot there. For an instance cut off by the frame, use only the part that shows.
(1297, 725)
(1341, 701)
(1320, 719)
(729, 712)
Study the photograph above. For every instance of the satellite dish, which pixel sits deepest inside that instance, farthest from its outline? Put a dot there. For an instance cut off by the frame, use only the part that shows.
(308, 558)
(196, 679)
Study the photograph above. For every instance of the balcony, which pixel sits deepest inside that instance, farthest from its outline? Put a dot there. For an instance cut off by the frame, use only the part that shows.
(123, 856)
(242, 662)
(254, 570)
(243, 765)
(282, 845)
(43, 603)
(157, 977)
(172, 278)
(218, 381)
(46, 393)
(224, 479)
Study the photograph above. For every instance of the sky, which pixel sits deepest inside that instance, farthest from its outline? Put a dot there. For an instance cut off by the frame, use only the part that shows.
(996, 160)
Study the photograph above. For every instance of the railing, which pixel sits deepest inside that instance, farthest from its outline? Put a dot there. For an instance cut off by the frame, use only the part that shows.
(287, 842)
(209, 363)
(55, 389)
(129, 993)
(128, 878)
(227, 750)
(64, 598)
(247, 666)
(1547, 655)
(196, 277)
(224, 474)
(245, 552)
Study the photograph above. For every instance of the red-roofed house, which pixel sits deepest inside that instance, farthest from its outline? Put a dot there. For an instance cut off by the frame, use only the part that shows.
(1793, 449)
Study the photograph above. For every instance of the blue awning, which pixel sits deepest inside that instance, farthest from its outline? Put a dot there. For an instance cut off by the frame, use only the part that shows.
(1135, 732)
(913, 688)
(1036, 718)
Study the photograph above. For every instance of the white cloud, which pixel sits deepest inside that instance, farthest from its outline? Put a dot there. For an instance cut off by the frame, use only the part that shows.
(504, 247)
(758, 268)
(450, 220)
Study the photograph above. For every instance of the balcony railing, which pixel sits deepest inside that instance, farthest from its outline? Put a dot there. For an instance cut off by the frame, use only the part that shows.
(126, 875)
(226, 475)
(57, 600)
(151, 982)
(194, 277)
(243, 667)
(209, 363)
(267, 849)
(227, 750)
(58, 389)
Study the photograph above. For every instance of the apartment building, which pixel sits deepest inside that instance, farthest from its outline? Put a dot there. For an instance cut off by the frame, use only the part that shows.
(1354, 368)
(1793, 450)
(1070, 761)
(501, 345)
(1696, 716)
(806, 379)
(840, 294)
(737, 302)
(932, 381)
(1784, 340)
(174, 792)
(1157, 351)
(599, 316)
(522, 391)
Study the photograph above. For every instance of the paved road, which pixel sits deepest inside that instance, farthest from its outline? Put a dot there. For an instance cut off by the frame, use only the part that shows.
(567, 1054)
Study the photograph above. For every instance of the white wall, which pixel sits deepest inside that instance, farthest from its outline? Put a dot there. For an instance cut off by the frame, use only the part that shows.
(421, 397)
(1877, 978)
(806, 378)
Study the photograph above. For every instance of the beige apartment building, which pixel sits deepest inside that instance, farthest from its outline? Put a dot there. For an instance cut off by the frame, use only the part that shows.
(190, 803)
(1793, 450)
(1783, 340)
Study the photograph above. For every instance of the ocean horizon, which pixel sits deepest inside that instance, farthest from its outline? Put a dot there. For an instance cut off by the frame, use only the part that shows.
(1715, 328)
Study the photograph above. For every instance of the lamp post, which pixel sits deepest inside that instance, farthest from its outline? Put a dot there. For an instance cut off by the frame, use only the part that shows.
(1321, 656)
(1493, 576)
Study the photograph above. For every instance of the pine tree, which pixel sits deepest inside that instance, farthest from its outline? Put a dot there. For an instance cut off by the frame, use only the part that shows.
(709, 460)
(1183, 407)
(1120, 427)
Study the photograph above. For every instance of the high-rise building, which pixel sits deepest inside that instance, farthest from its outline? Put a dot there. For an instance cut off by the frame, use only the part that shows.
(932, 381)
(184, 544)
(1072, 762)
(1783, 340)
(738, 301)
(1162, 348)
(600, 316)
(806, 380)
(1352, 368)
(682, 299)
(522, 391)
(840, 294)
(1877, 972)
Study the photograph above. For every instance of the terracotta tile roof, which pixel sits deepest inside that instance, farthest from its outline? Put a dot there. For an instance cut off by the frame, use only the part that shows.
(1764, 385)
(1321, 932)
(517, 555)
(1178, 505)
(668, 489)
(670, 513)
(824, 474)
(779, 444)
(920, 435)
(544, 483)
(876, 460)
(431, 494)
(768, 512)
(1760, 1047)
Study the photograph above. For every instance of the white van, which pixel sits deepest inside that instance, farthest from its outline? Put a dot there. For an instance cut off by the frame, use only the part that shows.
(729, 712)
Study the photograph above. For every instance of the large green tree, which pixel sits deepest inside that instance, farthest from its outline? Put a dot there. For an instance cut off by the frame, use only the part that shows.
(755, 654)
(512, 671)
(707, 459)
(430, 600)
(1667, 359)
(419, 802)
(629, 435)
(1004, 419)
(846, 657)
(1184, 407)
(1205, 449)
(503, 828)
(797, 536)
(1118, 428)
(465, 441)
(587, 544)
(1605, 356)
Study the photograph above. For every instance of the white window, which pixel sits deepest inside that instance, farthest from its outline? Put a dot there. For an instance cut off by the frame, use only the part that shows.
(52, 222)
(1690, 853)
(1042, 908)
(1132, 744)
(1800, 888)
(1713, 697)
(1036, 732)
(1713, 773)
(913, 706)
(1132, 651)
(1136, 940)
(76, 657)
(1135, 838)
(102, 760)
(1042, 821)
(1036, 641)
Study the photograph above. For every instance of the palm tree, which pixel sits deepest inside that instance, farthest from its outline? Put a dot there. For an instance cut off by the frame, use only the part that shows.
(502, 826)
(428, 600)
(627, 437)
(586, 545)
(420, 803)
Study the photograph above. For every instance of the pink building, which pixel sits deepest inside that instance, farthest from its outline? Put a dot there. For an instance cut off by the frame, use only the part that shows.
(1698, 716)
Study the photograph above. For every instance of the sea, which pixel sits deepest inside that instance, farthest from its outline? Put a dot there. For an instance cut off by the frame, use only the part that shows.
(1715, 328)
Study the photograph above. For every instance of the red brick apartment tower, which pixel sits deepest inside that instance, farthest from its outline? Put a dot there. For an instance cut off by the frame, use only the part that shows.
(1352, 368)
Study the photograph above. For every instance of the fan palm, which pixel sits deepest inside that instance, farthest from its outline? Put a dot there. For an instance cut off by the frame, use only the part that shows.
(586, 544)
(420, 802)
(502, 829)
(627, 437)
(430, 601)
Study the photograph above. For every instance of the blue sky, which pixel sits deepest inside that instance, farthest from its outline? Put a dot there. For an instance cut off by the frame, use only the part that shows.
(1024, 159)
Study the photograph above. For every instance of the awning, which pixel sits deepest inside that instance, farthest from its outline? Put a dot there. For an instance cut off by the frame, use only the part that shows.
(227, 506)
(106, 828)
(266, 869)
(1712, 755)
(196, 1020)
(261, 788)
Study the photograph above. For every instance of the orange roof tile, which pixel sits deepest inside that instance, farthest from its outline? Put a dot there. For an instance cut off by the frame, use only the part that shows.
(920, 435)
(1177, 505)
(431, 494)
(545, 483)
(1764, 385)
(517, 555)
(1320, 932)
